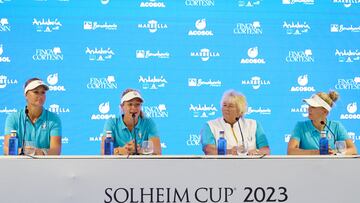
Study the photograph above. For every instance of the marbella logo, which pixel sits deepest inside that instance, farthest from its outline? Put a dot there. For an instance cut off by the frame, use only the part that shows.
(303, 110)
(343, 28)
(96, 138)
(347, 56)
(3, 59)
(351, 109)
(203, 111)
(94, 25)
(296, 28)
(153, 82)
(4, 81)
(256, 82)
(305, 56)
(158, 111)
(102, 83)
(198, 82)
(302, 80)
(104, 109)
(55, 108)
(4, 25)
(348, 84)
(259, 110)
(47, 25)
(52, 80)
(53, 54)
(200, 29)
(193, 140)
(205, 54)
(200, 3)
(100, 54)
(306, 2)
(249, 3)
(346, 3)
(153, 26)
(152, 4)
(145, 54)
(253, 28)
(253, 52)
(7, 110)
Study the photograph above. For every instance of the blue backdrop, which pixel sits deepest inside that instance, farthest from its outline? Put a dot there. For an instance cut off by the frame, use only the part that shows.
(182, 55)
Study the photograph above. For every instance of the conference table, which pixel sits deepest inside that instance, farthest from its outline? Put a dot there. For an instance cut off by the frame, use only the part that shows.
(174, 179)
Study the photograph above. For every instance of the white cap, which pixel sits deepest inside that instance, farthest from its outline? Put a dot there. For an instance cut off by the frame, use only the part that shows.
(316, 101)
(131, 95)
(34, 84)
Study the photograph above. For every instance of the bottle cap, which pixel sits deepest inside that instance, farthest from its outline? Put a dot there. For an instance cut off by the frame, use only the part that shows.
(13, 132)
(108, 133)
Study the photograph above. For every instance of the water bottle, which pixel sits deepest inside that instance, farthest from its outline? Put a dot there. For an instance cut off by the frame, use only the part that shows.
(221, 143)
(13, 143)
(108, 144)
(323, 143)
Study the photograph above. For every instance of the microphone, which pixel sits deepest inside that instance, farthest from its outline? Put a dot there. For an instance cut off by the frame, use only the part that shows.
(242, 136)
(133, 117)
(23, 137)
(332, 133)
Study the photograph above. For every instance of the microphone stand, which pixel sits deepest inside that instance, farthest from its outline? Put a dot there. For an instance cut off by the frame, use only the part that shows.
(332, 133)
(23, 137)
(242, 136)
(135, 139)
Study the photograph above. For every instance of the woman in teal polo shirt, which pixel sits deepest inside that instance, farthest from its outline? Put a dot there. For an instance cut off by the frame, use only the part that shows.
(306, 135)
(34, 123)
(130, 123)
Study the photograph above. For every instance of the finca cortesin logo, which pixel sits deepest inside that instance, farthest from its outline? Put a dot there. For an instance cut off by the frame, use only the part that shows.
(205, 54)
(348, 84)
(4, 81)
(102, 83)
(347, 56)
(296, 28)
(346, 3)
(253, 28)
(306, 2)
(256, 82)
(46, 25)
(145, 54)
(56, 108)
(94, 25)
(4, 25)
(344, 28)
(305, 56)
(193, 140)
(200, 29)
(52, 80)
(351, 112)
(303, 110)
(259, 110)
(152, 4)
(3, 57)
(53, 54)
(153, 82)
(200, 3)
(153, 26)
(203, 111)
(198, 82)
(104, 109)
(302, 81)
(253, 53)
(249, 3)
(101, 54)
(158, 111)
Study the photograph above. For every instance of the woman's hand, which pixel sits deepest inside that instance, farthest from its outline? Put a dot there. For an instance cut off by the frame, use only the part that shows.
(130, 147)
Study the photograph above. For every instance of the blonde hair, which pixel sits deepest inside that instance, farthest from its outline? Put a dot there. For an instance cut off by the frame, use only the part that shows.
(330, 98)
(236, 98)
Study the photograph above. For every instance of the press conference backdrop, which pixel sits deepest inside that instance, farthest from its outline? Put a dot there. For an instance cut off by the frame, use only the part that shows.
(182, 55)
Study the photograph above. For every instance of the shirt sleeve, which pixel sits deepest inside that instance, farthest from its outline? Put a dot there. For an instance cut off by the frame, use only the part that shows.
(261, 140)
(109, 126)
(56, 129)
(296, 133)
(207, 137)
(152, 130)
(10, 124)
(341, 132)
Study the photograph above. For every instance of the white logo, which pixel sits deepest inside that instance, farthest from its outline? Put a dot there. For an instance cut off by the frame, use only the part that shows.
(351, 108)
(90, 25)
(152, 3)
(260, 110)
(47, 25)
(348, 84)
(200, 3)
(4, 25)
(255, 82)
(152, 82)
(296, 28)
(343, 28)
(8, 111)
(102, 83)
(253, 28)
(53, 54)
(142, 54)
(55, 108)
(205, 54)
(96, 138)
(253, 53)
(347, 56)
(53, 79)
(200, 26)
(308, 2)
(287, 137)
(3, 59)
(203, 111)
(153, 26)
(104, 2)
(99, 54)
(194, 140)
(104, 109)
(156, 111)
(346, 3)
(249, 3)
(197, 82)
(65, 140)
(302, 81)
(300, 56)
(4, 81)
(303, 110)
(353, 136)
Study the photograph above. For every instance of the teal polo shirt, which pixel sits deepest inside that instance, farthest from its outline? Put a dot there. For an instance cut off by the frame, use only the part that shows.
(47, 125)
(308, 136)
(144, 130)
